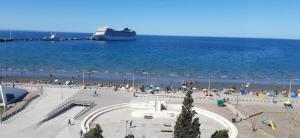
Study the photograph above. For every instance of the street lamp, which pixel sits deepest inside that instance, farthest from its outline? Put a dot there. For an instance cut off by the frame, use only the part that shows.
(148, 73)
(62, 95)
(208, 84)
(209, 80)
(126, 128)
(83, 78)
(150, 79)
(172, 75)
(132, 78)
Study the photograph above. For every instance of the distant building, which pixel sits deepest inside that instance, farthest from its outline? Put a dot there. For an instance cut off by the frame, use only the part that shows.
(9, 95)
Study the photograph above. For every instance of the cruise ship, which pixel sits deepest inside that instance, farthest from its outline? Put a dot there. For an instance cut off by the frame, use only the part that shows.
(105, 33)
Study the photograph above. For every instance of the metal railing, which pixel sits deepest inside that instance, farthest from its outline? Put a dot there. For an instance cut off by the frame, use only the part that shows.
(230, 99)
(68, 105)
(83, 111)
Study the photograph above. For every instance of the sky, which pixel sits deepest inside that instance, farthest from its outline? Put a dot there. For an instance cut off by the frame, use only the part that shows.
(224, 18)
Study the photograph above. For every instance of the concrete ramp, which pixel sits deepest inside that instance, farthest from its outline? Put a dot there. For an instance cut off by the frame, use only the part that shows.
(68, 105)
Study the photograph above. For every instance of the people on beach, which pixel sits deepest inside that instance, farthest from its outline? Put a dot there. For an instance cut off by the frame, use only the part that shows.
(41, 90)
(95, 93)
(274, 100)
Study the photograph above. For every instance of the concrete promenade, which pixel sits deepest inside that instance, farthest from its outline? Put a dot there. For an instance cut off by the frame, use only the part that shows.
(24, 124)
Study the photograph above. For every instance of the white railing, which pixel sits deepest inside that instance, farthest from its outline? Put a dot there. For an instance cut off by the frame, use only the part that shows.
(85, 124)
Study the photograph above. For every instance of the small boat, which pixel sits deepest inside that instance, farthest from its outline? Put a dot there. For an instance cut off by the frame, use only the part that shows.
(53, 37)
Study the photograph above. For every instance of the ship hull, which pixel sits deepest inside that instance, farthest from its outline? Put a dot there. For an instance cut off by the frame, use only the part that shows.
(113, 38)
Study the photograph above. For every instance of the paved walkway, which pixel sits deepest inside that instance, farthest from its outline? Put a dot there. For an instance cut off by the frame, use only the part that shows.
(24, 123)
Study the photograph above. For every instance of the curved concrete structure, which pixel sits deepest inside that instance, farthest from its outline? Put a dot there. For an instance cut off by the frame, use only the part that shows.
(233, 131)
(85, 124)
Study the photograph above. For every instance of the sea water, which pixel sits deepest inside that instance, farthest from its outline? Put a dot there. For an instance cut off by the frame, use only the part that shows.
(160, 57)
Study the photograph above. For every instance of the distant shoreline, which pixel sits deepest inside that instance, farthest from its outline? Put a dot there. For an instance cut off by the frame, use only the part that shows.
(159, 35)
(215, 84)
(145, 78)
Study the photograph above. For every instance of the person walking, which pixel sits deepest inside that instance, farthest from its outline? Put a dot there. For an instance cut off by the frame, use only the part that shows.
(69, 122)
(130, 124)
(80, 133)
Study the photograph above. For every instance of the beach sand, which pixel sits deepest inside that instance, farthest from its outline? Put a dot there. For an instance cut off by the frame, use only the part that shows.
(256, 86)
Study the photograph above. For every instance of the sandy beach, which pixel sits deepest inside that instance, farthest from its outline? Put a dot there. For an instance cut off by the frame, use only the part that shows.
(256, 86)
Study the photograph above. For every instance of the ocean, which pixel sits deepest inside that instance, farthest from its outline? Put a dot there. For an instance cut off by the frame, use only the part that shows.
(156, 57)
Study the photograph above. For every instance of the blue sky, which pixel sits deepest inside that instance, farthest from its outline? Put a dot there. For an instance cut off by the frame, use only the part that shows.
(239, 18)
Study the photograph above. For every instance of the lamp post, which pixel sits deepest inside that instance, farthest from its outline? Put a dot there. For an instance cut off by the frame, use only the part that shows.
(5, 72)
(126, 128)
(22, 77)
(150, 81)
(133, 80)
(148, 73)
(293, 119)
(83, 78)
(236, 106)
(208, 84)
(209, 80)
(62, 95)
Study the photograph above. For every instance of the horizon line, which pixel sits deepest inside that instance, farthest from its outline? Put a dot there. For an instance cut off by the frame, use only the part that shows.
(212, 36)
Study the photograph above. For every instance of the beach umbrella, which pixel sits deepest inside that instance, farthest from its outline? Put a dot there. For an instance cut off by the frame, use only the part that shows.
(220, 102)
(247, 85)
(56, 81)
(242, 91)
(274, 92)
(32, 82)
(294, 95)
(68, 82)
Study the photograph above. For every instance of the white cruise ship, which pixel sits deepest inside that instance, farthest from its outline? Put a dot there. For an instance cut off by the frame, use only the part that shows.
(105, 33)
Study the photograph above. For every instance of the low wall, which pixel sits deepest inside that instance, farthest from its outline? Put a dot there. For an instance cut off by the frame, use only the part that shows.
(233, 131)
(85, 124)
(19, 106)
